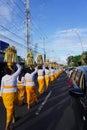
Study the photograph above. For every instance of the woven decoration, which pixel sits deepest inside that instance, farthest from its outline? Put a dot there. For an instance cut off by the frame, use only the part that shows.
(10, 54)
(51, 64)
(29, 59)
(55, 65)
(39, 59)
(47, 62)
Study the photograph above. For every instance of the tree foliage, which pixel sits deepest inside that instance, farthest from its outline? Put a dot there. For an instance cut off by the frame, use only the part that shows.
(77, 60)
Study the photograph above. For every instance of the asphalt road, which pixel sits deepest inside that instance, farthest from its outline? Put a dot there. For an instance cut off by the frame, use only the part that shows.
(54, 111)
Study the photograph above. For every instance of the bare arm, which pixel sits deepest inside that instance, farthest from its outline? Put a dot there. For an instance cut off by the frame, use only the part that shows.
(36, 69)
(2, 86)
(18, 70)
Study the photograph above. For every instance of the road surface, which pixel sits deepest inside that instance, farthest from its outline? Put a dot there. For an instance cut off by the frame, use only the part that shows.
(54, 111)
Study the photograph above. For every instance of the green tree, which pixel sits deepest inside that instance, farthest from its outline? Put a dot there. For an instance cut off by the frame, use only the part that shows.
(84, 58)
(69, 60)
(76, 60)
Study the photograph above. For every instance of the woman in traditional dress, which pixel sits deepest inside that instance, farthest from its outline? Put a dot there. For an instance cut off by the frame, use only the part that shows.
(30, 85)
(9, 93)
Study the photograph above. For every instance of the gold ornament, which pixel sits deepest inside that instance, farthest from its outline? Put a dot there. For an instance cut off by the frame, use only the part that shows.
(29, 59)
(10, 56)
(39, 59)
(47, 62)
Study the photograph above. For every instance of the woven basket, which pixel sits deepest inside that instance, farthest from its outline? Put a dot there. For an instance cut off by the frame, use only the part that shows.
(29, 59)
(39, 60)
(10, 54)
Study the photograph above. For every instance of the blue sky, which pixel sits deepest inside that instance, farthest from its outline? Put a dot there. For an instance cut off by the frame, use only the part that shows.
(62, 23)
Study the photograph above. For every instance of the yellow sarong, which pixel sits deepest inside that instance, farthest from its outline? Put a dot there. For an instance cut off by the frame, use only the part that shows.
(41, 85)
(47, 81)
(9, 100)
(31, 94)
(21, 94)
(52, 78)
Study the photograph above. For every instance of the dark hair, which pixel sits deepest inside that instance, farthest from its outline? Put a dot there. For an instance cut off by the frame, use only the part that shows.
(8, 70)
(23, 72)
(29, 70)
(47, 67)
(40, 67)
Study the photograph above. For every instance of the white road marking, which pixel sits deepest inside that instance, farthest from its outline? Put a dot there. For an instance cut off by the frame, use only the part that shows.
(43, 103)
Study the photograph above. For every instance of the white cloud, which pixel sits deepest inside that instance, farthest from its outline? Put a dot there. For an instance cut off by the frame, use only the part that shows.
(5, 14)
(65, 42)
(62, 42)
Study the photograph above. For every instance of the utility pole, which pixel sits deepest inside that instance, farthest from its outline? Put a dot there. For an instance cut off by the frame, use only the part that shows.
(27, 24)
(44, 38)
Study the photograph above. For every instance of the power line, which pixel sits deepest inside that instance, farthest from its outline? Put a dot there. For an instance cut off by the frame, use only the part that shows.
(17, 43)
(12, 40)
(22, 2)
(12, 32)
(11, 7)
(17, 25)
(15, 11)
(39, 29)
(19, 8)
(39, 47)
(17, 35)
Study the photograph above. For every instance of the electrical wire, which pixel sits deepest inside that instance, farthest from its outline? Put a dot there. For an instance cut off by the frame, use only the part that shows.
(17, 43)
(12, 32)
